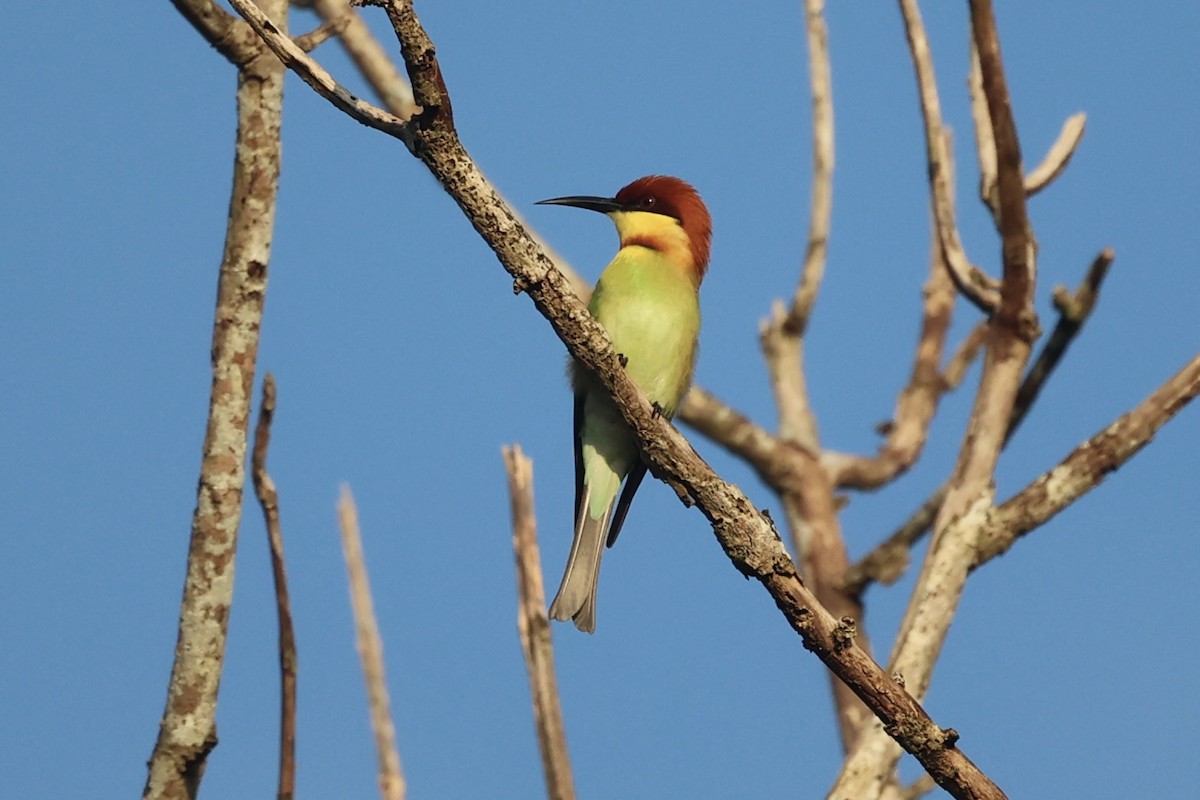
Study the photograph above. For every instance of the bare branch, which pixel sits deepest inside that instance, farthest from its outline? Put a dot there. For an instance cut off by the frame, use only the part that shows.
(888, 561)
(187, 732)
(985, 141)
(964, 356)
(1087, 465)
(315, 75)
(974, 284)
(369, 56)
(370, 651)
(393, 91)
(268, 498)
(1052, 165)
(778, 462)
(1073, 311)
(822, 161)
(323, 33)
(533, 627)
(783, 352)
(225, 32)
(1058, 156)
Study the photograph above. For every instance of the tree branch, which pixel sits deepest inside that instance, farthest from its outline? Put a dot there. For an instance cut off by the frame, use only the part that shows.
(888, 561)
(822, 164)
(187, 732)
(373, 62)
(312, 73)
(268, 498)
(1058, 156)
(971, 281)
(1073, 311)
(1087, 465)
(1055, 161)
(533, 626)
(228, 35)
(370, 651)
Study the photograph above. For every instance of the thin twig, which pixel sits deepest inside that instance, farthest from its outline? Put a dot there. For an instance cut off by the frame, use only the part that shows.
(1058, 156)
(533, 626)
(985, 141)
(312, 73)
(187, 732)
(822, 166)
(968, 350)
(322, 33)
(268, 498)
(384, 78)
(372, 60)
(1073, 311)
(974, 284)
(370, 651)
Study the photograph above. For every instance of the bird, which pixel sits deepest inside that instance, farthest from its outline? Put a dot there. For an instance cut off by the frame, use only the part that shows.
(647, 299)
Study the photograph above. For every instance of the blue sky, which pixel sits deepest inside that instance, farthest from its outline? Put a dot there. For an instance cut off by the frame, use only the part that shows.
(404, 362)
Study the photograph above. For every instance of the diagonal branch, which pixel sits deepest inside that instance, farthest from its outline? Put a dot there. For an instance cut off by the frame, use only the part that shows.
(187, 732)
(369, 56)
(1087, 465)
(533, 626)
(228, 35)
(312, 73)
(1073, 311)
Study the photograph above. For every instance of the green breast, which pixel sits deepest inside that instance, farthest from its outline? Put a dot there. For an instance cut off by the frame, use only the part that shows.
(650, 308)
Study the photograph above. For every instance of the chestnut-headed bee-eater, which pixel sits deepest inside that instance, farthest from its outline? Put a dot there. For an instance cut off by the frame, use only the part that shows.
(648, 301)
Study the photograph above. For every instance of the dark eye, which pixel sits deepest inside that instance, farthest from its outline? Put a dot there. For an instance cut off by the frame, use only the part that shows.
(649, 202)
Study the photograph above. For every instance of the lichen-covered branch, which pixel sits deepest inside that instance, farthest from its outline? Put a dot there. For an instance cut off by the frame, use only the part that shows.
(187, 732)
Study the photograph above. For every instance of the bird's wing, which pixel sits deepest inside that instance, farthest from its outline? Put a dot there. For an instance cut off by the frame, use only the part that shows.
(577, 440)
(631, 486)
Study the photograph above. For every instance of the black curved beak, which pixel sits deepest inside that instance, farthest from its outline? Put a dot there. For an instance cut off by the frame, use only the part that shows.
(605, 205)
